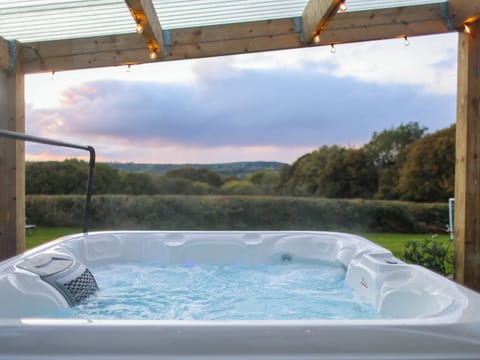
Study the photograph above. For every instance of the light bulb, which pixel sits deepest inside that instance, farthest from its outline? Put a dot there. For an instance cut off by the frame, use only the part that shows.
(467, 29)
(407, 42)
(316, 38)
(139, 28)
(332, 49)
(342, 7)
(153, 54)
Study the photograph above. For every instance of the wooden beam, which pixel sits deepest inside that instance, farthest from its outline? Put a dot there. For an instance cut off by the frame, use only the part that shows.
(388, 23)
(467, 168)
(144, 14)
(316, 16)
(233, 39)
(84, 53)
(185, 43)
(463, 11)
(4, 54)
(12, 163)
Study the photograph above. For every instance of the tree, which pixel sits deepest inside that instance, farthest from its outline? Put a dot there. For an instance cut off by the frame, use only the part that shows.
(106, 180)
(386, 150)
(301, 178)
(331, 171)
(347, 174)
(385, 147)
(428, 173)
(55, 177)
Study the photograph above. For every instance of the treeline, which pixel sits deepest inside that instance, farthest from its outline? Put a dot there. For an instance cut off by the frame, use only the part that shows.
(400, 163)
(69, 177)
(397, 164)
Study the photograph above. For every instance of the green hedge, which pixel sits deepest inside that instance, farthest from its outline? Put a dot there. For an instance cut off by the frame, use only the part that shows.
(164, 212)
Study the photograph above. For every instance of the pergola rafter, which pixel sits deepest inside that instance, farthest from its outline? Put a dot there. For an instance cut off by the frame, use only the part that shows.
(148, 25)
(246, 36)
(316, 16)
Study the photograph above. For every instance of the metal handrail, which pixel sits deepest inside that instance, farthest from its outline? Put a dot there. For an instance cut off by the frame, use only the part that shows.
(90, 149)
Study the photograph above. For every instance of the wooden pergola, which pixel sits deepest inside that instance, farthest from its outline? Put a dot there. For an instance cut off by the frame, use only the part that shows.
(320, 24)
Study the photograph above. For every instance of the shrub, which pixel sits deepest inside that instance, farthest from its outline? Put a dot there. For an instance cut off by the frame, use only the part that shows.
(430, 253)
(182, 212)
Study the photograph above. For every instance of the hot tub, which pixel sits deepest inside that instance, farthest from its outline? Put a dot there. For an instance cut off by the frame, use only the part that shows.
(422, 315)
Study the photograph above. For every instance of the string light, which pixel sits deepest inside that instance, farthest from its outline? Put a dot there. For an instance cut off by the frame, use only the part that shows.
(332, 48)
(342, 7)
(153, 54)
(467, 29)
(316, 38)
(407, 42)
(139, 27)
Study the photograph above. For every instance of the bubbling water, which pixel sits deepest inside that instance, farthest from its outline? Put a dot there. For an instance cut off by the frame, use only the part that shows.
(283, 291)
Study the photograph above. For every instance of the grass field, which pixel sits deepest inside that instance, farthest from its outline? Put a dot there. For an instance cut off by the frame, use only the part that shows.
(393, 242)
(40, 235)
(396, 242)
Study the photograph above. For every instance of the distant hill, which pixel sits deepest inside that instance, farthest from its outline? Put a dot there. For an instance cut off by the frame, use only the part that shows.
(239, 169)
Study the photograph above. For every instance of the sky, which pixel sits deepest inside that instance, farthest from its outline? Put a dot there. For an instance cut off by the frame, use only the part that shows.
(273, 106)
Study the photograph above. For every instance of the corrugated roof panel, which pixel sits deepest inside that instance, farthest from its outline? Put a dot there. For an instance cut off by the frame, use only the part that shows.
(184, 13)
(37, 20)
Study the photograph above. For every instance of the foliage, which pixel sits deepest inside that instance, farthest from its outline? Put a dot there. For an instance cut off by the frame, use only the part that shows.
(69, 177)
(347, 174)
(137, 183)
(430, 253)
(201, 175)
(386, 151)
(428, 172)
(170, 212)
(240, 187)
(332, 172)
(385, 147)
(266, 181)
(396, 242)
(47, 177)
(237, 169)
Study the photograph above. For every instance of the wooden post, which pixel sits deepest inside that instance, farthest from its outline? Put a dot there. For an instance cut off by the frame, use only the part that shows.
(12, 158)
(467, 169)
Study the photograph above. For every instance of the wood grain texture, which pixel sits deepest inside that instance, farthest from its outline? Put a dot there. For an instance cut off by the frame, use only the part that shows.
(12, 164)
(467, 167)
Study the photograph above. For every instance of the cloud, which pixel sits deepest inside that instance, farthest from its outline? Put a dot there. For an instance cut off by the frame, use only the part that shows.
(236, 110)
(246, 108)
(428, 64)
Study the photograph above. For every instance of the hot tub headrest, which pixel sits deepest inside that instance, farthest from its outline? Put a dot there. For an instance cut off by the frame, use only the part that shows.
(66, 274)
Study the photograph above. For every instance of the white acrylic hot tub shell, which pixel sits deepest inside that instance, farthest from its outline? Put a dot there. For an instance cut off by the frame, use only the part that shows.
(431, 317)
